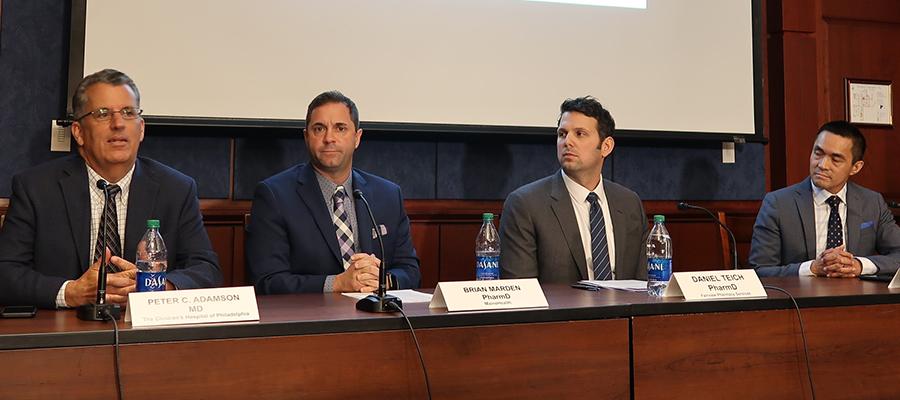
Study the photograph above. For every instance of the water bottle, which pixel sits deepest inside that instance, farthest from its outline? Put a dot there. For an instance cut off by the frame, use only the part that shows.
(151, 260)
(487, 250)
(659, 257)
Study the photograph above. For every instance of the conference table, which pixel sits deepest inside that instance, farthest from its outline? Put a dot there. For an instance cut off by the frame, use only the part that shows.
(605, 344)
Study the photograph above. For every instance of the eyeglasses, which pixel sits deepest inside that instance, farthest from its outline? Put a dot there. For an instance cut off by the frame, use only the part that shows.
(104, 114)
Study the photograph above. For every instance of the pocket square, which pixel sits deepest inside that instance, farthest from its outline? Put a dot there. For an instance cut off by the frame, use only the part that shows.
(866, 225)
(381, 228)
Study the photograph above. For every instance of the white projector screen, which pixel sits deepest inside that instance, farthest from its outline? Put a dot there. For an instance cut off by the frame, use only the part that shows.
(676, 66)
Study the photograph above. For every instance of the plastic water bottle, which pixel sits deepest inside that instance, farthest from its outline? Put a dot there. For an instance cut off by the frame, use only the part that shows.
(487, 250)
(151, 260)
(659, 257)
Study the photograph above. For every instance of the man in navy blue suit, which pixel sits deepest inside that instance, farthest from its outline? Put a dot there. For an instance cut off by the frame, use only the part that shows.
(50, 244)
(308, 232)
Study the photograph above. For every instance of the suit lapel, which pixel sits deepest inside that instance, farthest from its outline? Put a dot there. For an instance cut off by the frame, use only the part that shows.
(73, 185)
(854, 219)
(142, 195)
(565, 214)
(311, 194)
(804, 201)
(363, 222)
(619, 224)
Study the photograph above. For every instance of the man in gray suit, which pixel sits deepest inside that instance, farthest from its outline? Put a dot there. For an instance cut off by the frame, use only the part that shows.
(574, 224)
(826, 225)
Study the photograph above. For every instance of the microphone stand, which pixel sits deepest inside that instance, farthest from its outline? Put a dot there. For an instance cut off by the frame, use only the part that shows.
(380, 302)
(684, 206)
(100, 310)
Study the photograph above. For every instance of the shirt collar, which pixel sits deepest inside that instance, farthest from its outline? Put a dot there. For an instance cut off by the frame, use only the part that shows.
(580, 193)
(123, 183)
(821, 195)
(329, 187)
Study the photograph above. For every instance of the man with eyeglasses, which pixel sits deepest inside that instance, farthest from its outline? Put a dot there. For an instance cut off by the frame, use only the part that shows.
(51, 243)
(307, 233)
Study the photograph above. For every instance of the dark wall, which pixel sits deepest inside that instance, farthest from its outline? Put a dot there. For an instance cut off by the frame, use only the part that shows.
(227, 163)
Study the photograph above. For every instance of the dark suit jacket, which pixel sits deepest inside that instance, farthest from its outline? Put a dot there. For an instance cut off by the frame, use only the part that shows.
(539, 234)
(291, 242)
(46, 237)
(784, 235)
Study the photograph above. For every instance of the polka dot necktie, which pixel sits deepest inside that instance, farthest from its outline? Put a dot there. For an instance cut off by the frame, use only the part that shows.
(835, 229)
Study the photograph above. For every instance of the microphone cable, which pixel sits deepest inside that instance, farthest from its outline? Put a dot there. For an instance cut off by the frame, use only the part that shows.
(809, 374)
(116, 358)
(418, 349)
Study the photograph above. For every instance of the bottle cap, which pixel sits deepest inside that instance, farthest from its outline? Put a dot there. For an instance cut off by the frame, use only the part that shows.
(153, 223)
(659, 218)
(487, 216)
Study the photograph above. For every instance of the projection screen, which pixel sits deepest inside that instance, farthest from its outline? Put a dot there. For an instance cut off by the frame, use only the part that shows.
(674, 66)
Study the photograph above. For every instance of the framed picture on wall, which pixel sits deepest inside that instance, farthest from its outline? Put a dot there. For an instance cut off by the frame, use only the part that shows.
(868, 102)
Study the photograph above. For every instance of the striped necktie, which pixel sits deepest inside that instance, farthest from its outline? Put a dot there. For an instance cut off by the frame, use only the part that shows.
(599, 247)
(109, 228)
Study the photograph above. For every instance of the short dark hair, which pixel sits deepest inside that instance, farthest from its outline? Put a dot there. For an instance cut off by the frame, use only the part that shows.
(845, 129)
(333, 96)
(589, 106)
(108, 76)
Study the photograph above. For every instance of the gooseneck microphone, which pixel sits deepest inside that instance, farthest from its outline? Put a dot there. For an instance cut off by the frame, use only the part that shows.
(684, 206)
(100, 310)
(380, 301)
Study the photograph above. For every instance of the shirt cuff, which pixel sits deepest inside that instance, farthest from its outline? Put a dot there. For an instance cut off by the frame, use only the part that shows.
(329, 284)
(805, 269)
(868, 267)
(61, 296)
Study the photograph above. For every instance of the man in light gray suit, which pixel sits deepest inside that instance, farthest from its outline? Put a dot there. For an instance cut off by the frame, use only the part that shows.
(826, 225)
(574, 224)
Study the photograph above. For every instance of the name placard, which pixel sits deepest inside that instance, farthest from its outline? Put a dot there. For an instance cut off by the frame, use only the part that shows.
(895, 283)
(194, 306)
(488, 295)
(715, 285)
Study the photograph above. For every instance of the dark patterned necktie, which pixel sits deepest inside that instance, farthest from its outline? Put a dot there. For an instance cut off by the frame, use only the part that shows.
(342, 226)
(109, 229)
(835, 228)
(599, 248)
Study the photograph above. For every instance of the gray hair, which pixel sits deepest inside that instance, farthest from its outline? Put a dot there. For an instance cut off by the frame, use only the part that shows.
(107, 76)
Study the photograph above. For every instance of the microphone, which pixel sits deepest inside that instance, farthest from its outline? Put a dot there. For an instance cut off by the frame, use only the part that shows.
(100, 310)
(684, 206)
(380, 301)
(893, 204)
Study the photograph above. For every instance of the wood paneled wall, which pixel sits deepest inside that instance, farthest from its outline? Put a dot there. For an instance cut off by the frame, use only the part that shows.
(813, 47)
(444, 235)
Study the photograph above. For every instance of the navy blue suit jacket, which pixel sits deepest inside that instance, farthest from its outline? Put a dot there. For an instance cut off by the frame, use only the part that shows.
(291, 241)
(46, 237)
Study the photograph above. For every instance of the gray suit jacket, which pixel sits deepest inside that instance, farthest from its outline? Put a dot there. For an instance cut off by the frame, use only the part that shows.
(539, 234)
(784, 235)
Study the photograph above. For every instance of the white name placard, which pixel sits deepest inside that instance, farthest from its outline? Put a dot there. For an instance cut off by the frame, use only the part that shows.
(895, 283)
(488, 295)
(194, 306)
(715, 285)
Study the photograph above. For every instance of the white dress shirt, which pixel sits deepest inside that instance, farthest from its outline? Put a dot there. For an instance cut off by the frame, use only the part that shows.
(578, 195)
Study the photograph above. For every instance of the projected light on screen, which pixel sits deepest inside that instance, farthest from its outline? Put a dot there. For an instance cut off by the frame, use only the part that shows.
(605, 3)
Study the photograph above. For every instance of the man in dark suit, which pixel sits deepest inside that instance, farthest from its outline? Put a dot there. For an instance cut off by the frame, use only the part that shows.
(307, 233)
(826, 225)
(50, 244)
(574, 224)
